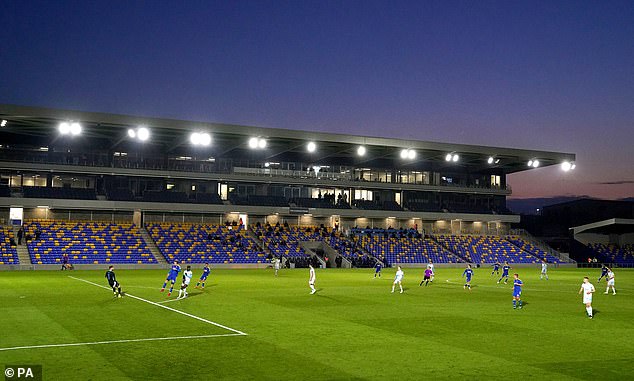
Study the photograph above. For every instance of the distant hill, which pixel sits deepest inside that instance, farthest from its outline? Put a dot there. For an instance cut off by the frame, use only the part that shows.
(530, 205)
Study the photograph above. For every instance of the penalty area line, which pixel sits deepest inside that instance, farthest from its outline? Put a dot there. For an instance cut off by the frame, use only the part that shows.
(167, 308)
(117, 341)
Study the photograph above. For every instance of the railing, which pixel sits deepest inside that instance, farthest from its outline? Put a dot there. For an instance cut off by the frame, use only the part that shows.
(271, 172)
(598, 265)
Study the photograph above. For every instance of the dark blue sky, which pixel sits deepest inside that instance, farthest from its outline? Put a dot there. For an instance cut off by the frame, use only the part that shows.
(544, 75)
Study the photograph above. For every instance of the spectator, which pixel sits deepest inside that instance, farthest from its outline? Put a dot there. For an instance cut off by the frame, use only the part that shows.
(20, 235)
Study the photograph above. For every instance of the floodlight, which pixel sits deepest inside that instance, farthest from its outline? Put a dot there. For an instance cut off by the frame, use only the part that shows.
(455, 157)
(361, 151)
(261, 143)
(131, 133)
(535, 163)
(448, 157)
(490, 160)
(3, 123)
(568, 166)
(565, 166)
(75, 128)
(311, 147)
(530, 163)
(194, 138)
(143, 133)
(205, 139)
(64, 128)
(404, 153)
(411, 154)
(253, 143)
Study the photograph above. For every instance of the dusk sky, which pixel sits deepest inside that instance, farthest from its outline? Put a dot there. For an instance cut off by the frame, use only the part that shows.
(540, 75)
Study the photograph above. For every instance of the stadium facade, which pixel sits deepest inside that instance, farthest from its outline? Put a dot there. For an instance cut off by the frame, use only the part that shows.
(72, 165)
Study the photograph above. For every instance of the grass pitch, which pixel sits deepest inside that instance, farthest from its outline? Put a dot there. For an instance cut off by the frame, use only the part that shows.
(352, 329)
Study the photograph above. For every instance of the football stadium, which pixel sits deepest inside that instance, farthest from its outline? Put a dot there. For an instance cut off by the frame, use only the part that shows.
(138, 248)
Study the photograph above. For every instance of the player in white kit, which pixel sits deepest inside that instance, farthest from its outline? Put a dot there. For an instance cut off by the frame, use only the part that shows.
(187, 277)
(544, 270)
(276, 265)
(398, 279)
(587, 289)
(610, 278)
(311, 279)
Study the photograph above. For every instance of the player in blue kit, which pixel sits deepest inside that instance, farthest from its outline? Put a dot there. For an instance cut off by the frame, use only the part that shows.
(505, 273)
(171, 277)
(496, 268)
(203, 277)
(467, 273)
(604, 272)
(377, 269)
(517, 291)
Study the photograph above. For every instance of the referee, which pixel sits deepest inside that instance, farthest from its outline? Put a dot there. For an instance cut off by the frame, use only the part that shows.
(112, 281)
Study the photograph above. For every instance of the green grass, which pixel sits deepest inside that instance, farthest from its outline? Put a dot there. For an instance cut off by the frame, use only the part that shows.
(352, 329)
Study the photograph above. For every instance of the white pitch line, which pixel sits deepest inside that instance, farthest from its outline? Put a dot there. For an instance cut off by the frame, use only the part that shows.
(117, 341)
(170, 300)
(166, 307)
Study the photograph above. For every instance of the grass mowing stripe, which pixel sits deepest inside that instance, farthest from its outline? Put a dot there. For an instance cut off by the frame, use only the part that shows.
(117, 341)
(166, 307)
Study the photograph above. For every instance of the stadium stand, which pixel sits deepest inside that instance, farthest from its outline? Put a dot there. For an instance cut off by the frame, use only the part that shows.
(613, 253)
(8, 252)
(86, 242)
(397, 250)
(350, 248)
(192, 243)
(485, 249)
(5, 191)
(284, 240)
(532, 249)
(59, 192)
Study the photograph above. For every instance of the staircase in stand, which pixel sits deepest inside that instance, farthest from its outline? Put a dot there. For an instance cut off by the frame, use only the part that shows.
(160, 259)
(23, 252)
(464, 259)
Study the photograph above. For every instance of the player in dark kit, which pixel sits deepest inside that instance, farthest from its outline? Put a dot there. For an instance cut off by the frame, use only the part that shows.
(112, 281)
(604, 272)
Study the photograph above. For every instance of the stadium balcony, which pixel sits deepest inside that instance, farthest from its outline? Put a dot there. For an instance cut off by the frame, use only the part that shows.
(86, 243)
(278, 201)
(165, 196)
(532, 249)
(377, 205)
(192, 243)
(59, 192)
(613, 253)
(120, 195)
(8, 251)
(422, 206)
(323, 203)
(486, 249)
(469, 209)
(208, 198)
